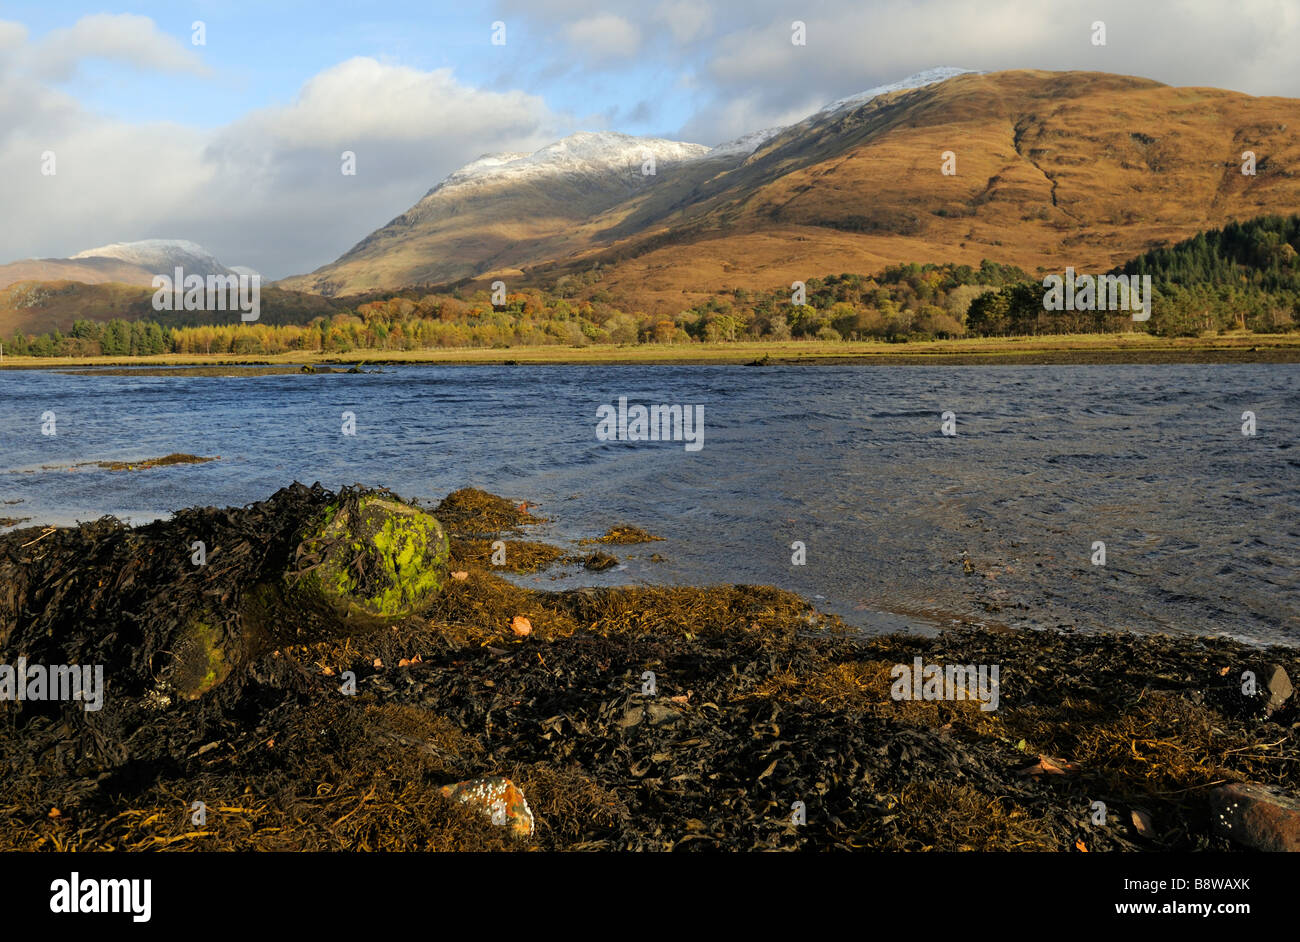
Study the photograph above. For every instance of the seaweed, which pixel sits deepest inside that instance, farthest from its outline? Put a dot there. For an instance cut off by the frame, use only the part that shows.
(633, 718)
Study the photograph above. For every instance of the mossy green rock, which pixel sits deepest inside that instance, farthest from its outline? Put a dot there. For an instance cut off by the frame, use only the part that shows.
(199, 663)
(370, 562)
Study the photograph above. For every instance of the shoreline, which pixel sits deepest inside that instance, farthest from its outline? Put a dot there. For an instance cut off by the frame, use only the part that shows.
(629, 718)
(1089, 349)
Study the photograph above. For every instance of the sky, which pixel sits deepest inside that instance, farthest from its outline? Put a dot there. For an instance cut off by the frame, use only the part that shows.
(236, 142)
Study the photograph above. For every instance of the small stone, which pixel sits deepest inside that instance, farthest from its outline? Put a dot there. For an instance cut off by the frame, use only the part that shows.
(521, 626)
(460, 575)
(1142, 824)
(1257, 816)
(655, 713)
(1277, 685)
(499, 798)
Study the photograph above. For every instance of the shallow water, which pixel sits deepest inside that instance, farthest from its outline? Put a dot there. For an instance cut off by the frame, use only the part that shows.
(1201, 524)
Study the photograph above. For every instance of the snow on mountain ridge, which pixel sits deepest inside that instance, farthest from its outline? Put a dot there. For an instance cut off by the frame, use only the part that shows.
(919, 80)
(600, 151)
(745, 144)
(161, 255)
(582, 152)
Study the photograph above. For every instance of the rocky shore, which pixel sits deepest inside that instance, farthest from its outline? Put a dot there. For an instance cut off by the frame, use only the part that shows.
(332, 675)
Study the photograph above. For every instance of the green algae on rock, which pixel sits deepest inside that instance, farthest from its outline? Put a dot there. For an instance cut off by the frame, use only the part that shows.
(369, 561)
(198, 662)
(302, 566)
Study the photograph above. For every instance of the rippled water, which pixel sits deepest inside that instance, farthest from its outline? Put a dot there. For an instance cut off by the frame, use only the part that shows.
(1201, 524)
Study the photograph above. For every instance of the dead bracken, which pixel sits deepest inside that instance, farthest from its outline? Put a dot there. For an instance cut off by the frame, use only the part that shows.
(758, 703)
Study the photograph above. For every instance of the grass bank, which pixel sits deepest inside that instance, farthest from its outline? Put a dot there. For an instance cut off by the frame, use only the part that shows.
(1063, 349)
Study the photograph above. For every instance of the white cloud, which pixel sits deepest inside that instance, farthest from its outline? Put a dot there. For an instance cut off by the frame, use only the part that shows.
(685, 19)
(12, 36)
(852, 46)
(119, 37)
(266, 190)
(363, 99)
(749, 70)
(605, 36)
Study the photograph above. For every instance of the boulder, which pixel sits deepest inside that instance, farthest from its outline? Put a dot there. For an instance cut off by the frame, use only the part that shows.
(172, 622)
(1257, 816)
(1275, 685)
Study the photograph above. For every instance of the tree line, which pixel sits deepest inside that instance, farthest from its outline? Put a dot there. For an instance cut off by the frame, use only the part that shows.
(1244, 276)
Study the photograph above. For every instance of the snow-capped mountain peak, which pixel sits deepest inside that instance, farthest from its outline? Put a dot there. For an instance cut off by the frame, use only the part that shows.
(919, 80)
(161, 255)
(748, 143)
(745, 144)
(586, 152)
(598, 152)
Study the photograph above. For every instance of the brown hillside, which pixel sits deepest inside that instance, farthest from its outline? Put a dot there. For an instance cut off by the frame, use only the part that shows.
(490, 226)
(37, 307)
(89, 271)
(1053, 169)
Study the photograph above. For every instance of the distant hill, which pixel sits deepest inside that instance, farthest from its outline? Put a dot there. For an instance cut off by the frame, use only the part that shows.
(91, 271)
(129, 263)
(43, 294)
(38, 307)
(1054, 169)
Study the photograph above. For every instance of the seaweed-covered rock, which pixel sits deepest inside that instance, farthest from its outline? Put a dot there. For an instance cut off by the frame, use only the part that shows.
(172, 609)
(599, 562)
(366, 561)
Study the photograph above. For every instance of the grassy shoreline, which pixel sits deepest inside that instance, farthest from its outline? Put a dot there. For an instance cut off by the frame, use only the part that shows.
(1061, 349)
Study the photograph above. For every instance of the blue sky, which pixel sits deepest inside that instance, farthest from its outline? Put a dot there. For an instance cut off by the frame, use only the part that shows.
(261, 53)
(236, 144)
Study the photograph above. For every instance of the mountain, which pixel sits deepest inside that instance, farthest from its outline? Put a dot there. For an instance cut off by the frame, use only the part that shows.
(129, 263)
(91, 271)
(161, 256)
(1084, 169)
(504, 210)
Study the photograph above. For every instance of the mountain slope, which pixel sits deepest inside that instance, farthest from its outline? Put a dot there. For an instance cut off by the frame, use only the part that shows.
(127, 263)
(1053, 169)
(506, 210)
